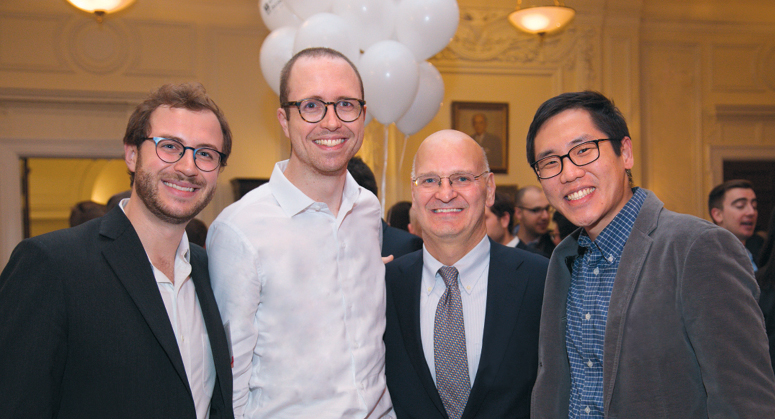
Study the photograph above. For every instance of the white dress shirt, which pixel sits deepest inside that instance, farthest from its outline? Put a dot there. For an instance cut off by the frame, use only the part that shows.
(514, 242)
(473, 270)
(303, 294)
(185, 315)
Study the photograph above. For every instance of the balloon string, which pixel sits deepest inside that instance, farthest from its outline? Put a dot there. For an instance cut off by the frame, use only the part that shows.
(403, 152)
(384, 167)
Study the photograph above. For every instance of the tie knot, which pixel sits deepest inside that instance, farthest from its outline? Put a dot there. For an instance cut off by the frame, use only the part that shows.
(449, 275)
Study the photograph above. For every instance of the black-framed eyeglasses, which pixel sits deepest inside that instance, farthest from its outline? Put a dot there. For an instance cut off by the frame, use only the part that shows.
(537, 210)
(456, 180)
(169, 150)
(314, 110)
(580, 155)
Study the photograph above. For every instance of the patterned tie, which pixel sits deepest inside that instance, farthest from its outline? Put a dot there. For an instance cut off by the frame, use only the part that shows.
(449, 347)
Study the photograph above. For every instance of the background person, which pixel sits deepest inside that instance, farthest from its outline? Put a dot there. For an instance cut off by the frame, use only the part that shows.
(733, 206)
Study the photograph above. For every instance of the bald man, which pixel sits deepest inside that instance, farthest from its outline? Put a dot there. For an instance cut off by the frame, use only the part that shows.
(463, 313)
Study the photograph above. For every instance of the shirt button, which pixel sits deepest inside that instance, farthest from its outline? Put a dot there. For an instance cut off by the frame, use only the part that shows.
(588, 316)
(589, 364)
(587, 410)
(596, 271)
(610, 258)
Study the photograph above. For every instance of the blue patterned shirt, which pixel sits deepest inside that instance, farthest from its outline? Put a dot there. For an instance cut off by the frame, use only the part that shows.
(587, 308)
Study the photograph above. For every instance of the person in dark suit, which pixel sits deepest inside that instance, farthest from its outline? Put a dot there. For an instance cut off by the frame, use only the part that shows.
(461, 336)
(116, 318)
(395, 242)
(499, 220)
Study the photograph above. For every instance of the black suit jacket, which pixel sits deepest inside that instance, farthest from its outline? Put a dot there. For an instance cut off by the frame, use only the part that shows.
(85, 333)
(398, 242)
(509, 360)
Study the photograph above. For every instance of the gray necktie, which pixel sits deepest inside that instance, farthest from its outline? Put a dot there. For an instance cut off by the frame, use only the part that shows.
(449, 347)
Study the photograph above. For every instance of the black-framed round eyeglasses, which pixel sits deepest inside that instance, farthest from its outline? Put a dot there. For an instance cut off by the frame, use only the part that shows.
(580, 155)
(169, 150)
(314, 110)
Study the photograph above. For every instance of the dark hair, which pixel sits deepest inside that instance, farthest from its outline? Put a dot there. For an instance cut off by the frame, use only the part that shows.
(564, 226)
(503, 205)
(85, 211)
(285, 73)
(362, 174)
(716, 196)
(605, 115)
(398, 215)
(196, 230)
(190, 96)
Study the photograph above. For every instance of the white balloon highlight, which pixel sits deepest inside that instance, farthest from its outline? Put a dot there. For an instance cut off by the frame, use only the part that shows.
(426, 26)
(427, 101)
(326, 30)
(372, 20)
(308, 8)
(390, 77)
(276, 14)
(276, 50)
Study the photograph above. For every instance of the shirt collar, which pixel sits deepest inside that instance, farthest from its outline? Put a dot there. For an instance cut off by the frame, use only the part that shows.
(610, 242)
(470, 267)
(293, 201)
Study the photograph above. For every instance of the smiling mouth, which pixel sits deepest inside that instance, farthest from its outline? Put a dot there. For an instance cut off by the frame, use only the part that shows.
(330, 142)
(180, 188)
(446, 210)
(579, 194)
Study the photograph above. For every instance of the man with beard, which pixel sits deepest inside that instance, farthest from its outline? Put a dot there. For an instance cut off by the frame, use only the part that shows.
(115, 318)
(296, 263)
(533, 213)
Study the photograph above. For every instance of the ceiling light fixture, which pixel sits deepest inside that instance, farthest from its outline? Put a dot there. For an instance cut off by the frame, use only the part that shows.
(538, 19)
(100, 7)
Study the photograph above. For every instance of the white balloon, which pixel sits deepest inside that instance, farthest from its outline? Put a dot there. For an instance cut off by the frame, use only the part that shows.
(426, 26)
(276, 14)
(327, 30)
(276, 50)
(307, 8)
(390, 76)
(427, 101)
(372, 20)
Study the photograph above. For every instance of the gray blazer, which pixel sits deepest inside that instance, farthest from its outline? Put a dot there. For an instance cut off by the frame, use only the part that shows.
(684, 338)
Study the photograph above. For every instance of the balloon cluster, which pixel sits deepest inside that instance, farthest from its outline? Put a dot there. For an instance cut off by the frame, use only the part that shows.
(388, 40)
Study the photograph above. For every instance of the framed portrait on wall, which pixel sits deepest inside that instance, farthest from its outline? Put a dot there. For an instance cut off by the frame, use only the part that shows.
(488, 124)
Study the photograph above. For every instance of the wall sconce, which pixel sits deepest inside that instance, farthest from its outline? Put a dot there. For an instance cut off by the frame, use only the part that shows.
(537, 19)
(100, 7)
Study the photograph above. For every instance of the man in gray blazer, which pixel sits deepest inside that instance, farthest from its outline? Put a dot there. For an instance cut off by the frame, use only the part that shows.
(647, 313)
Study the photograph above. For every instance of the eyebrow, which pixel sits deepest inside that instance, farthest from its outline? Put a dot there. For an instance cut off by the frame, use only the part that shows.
(576, 141)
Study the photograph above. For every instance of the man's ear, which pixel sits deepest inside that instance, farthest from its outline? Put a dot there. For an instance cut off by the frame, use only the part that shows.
(130, 157)
(282, 117)
(716, 215)
(504, 220)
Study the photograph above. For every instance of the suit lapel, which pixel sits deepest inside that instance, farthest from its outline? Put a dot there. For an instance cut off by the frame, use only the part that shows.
(213, 322)
(130, 264)
(407, 302)
(505, 291)
(627, 276)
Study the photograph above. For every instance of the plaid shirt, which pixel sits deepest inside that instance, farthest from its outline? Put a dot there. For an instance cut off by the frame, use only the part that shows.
(592, 280)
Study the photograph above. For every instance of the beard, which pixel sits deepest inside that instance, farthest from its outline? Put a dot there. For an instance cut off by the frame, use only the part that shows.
(147, 188)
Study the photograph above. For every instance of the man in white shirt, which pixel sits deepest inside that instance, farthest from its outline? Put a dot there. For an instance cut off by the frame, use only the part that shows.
(463, 313)
(296, 263)
(115, 318)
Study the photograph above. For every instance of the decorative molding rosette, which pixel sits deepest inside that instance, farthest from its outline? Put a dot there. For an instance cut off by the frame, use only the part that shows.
(486, 40)
(98, 48)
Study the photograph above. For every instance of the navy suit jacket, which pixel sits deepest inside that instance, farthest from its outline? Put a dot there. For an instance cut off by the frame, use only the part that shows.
(398, 242)
(509, 359)
(85, 333)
